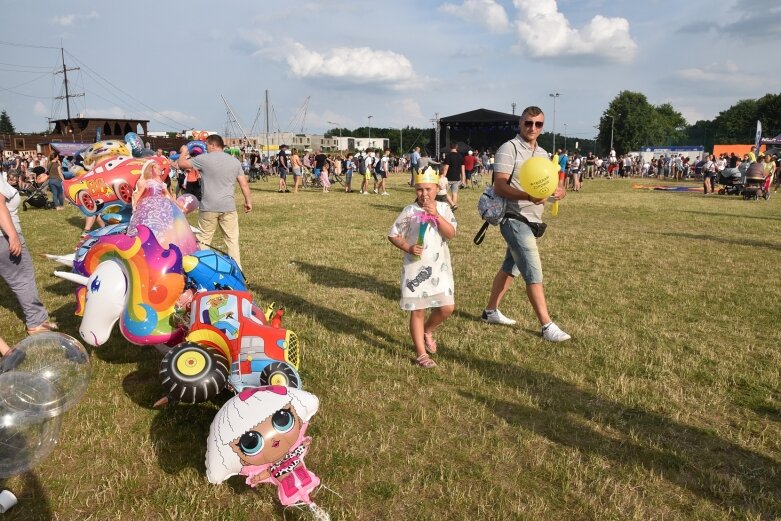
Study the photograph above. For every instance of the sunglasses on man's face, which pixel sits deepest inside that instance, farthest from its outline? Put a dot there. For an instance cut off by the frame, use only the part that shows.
(530, 124)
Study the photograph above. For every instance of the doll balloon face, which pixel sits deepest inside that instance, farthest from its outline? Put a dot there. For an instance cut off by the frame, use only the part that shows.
(269, 440)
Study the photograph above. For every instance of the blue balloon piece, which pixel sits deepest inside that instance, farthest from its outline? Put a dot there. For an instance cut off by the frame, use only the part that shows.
(196, 148)
(135, 143)
(209, 270)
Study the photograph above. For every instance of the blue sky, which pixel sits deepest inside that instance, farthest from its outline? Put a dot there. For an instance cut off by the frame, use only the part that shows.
(399, 62)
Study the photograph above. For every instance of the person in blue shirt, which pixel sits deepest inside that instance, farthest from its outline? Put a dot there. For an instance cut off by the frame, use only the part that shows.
(563, 160)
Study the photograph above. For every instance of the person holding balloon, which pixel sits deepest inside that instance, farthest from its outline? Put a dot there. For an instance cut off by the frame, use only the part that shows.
(525, 177)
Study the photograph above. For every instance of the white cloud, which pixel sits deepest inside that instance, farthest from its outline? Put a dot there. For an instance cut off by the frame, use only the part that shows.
(702, 92)
(409, 110)
(64, 20)
(69, 19)
(171, 114)
(360, 65)
(485, 12)
(111, 112)
(40, 109)
(713, 72)
(546, 33)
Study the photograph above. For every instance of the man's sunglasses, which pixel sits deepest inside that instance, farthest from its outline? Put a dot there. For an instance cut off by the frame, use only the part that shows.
(530, 124)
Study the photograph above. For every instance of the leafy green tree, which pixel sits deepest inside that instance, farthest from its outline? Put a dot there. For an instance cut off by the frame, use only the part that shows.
(701, 133)
(6, 127)
(638, 123)
(769, 112)
(668, 125)
(634, 125)
(738, 123)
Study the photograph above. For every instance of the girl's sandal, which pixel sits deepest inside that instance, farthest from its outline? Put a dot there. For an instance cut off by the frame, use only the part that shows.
(42, 328)
(430, 343)
(425, 362)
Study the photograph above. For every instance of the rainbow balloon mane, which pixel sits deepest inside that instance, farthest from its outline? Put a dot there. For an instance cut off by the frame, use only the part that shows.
(154, 281)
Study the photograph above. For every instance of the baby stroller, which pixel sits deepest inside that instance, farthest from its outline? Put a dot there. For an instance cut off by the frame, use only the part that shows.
(757, 183)
(36, 195)
(730, 181)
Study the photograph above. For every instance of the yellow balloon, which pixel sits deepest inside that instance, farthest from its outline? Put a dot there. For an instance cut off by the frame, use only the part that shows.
(539, 177)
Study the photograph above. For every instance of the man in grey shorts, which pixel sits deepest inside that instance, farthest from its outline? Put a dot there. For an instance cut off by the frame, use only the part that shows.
(523, 257)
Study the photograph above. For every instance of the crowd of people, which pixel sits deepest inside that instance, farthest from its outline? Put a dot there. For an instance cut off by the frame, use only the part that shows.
(673, 167)
(212, 178)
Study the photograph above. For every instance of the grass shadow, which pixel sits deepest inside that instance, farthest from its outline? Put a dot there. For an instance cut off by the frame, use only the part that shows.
(723, 240)
(339, 278)
(77, 221)
(732, 216)
(62, 288)
(178, 434)
(692, 458)
(142, 386)
(332, 320)
(386, 207)
(33, 501)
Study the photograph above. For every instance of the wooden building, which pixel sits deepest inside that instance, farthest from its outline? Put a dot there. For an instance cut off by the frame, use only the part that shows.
(87, 130)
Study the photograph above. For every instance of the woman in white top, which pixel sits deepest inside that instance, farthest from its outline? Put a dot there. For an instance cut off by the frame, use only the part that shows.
(16, 266)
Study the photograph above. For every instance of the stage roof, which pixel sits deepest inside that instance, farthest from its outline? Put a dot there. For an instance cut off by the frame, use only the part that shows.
(481, 116)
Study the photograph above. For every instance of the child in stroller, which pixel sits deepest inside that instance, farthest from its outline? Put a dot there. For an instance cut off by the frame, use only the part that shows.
(33, 188)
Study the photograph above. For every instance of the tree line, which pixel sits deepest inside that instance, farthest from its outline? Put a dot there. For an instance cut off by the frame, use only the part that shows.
(632, 122)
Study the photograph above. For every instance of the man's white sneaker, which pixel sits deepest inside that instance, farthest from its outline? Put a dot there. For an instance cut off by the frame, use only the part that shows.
(496, 317)
(385, 193)
(375, 190)
(553, 333)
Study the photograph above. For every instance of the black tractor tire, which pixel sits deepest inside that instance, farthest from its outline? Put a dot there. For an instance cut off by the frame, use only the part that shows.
(193, 373)
(280, 373)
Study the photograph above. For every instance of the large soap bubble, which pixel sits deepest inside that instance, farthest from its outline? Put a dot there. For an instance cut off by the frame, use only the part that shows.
(27, 432)
(57, 358)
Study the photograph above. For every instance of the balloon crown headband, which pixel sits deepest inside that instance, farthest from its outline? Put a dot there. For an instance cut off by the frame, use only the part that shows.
(429, 175)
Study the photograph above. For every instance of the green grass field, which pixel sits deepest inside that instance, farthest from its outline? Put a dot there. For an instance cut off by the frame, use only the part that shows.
(666, 404)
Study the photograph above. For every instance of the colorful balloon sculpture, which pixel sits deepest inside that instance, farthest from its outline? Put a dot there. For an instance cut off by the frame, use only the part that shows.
(104, 150)
(133, 280)
(261, 434)
(156, 209)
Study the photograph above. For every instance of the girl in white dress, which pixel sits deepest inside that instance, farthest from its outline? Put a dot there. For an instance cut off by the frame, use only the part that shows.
(421, 231)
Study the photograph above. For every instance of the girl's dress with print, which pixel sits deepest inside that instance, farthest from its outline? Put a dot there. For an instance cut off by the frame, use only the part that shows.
(426, 282)
(163, 217)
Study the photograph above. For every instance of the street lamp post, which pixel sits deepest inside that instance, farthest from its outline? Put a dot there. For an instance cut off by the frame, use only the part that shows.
(565, 136)
(370, 131)
(554, 96)
(612, 126)
(340, 132)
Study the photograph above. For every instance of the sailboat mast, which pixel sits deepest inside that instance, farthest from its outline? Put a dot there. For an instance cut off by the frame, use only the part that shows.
(268, 152)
